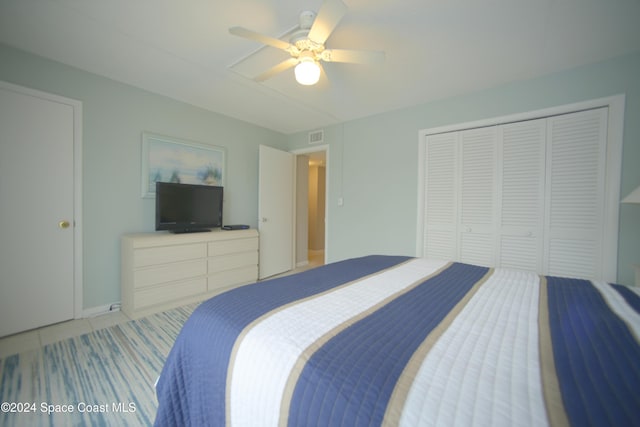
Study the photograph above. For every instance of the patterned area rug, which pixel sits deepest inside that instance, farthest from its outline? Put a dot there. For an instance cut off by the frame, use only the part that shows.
(103, 378)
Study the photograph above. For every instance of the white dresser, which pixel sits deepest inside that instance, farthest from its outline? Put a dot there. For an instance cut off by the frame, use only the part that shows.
(163, 270)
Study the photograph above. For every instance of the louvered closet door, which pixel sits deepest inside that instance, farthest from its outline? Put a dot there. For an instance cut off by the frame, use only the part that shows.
(440, 198)
(521, 149)
(478, 175)
(575, 194)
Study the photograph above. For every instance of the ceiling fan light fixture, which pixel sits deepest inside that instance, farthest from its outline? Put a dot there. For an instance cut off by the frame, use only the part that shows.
(307, 71)
(306, 46)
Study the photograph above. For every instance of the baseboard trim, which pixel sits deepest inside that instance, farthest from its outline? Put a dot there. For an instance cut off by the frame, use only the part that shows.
(100, 310)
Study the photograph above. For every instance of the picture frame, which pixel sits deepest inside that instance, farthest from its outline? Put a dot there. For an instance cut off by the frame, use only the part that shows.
(169, 159)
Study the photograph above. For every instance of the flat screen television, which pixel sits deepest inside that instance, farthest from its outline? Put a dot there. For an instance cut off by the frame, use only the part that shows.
(188, 208)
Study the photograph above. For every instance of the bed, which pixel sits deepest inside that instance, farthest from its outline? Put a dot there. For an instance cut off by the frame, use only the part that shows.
(390, 340)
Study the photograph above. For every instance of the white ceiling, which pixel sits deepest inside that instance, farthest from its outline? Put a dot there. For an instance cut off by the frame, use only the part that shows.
(434, 49)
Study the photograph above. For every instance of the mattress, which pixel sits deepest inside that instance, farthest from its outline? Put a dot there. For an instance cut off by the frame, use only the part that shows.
(401, 341)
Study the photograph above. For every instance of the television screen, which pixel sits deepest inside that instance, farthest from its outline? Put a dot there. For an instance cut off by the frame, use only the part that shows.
(184, 208)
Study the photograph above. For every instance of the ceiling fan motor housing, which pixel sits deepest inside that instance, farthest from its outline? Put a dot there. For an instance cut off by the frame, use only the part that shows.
(306, 19)
(300, 38)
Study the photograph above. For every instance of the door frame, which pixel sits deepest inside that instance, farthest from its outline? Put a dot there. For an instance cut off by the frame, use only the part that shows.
(314, 149)
(77, 185)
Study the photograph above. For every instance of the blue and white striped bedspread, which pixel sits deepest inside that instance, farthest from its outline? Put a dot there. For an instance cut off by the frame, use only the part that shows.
(400, 341)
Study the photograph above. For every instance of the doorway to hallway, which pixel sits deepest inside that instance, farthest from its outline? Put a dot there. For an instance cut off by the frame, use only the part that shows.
(311, 206)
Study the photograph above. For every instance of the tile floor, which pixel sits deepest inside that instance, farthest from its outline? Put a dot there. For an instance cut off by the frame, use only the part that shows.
(37, 338)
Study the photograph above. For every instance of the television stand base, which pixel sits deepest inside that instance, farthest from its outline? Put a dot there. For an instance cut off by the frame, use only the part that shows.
(191, 230)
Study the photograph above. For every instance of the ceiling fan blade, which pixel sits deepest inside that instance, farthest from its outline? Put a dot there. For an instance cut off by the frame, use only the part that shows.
(330, 13)
(252, 35)
(353, 56)
(323, 82)
(284, 65)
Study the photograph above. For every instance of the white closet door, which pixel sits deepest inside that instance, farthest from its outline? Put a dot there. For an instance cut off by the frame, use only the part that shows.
(528, 195)
(575, 194)
(521, 161)
(478, 167)
(440, 198)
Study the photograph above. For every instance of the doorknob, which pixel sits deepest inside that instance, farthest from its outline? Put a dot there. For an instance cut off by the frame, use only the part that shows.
(63, 224)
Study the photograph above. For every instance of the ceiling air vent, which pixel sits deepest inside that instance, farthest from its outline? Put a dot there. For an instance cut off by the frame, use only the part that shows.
(316, 136)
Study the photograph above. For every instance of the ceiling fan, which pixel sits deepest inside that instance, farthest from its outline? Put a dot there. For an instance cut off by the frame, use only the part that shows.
(306, 45)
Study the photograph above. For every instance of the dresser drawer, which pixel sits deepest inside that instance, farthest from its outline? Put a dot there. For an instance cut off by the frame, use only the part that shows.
(170, 272)
(229, 262)
(228, 278)
(233, 246)
(162, 270)
(161, 255)
(168, 293)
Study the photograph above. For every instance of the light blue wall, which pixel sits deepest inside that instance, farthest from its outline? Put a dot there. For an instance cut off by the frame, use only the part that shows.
(114, 117)
(373, 161)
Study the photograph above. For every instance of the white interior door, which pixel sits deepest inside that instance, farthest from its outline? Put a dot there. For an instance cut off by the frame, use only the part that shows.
(275, 211)
(532, 196)
(36, 212)
(575, 195)
(477, 211)
(521, 146)
(441, 196)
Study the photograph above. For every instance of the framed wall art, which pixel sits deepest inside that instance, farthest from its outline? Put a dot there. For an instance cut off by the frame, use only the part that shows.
(168, 159)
